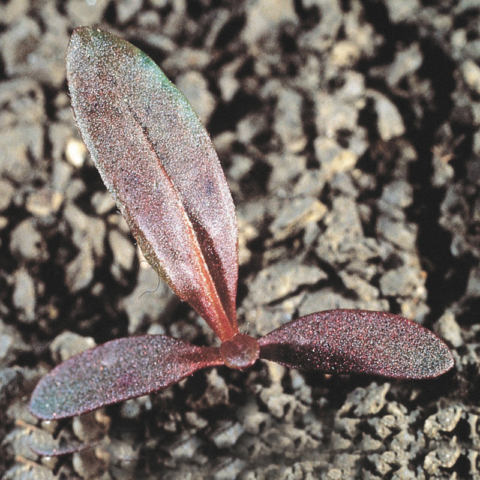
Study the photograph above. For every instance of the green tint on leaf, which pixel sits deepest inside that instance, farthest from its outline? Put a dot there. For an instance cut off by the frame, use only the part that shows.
(159, 163)
(116, 371)
(358, 341)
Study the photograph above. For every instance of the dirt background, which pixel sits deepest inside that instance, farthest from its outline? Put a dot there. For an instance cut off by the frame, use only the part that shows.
(348, 131)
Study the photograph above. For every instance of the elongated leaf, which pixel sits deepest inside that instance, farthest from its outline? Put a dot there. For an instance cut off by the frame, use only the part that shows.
(159, 163)
(347, 341)
(116, 371)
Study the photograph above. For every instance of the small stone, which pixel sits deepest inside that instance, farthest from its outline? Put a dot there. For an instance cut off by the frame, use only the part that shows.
(194, 419)
(399, 234)
(398, 194)
(402, 11)
(11, 344)
(447, 328)
(405, 63)
(288, 120)
(265, 16)
(471, 74)
(12, 380)
(194, 86)
(343, 229)
(68, 344)
(254, 421)
(286, 168)
(228, 83)
(27, 243)
(345, 53)
(44, 203)
(79, 272)
(29, 51)
(8, 191)
(402, 282)
(87, 231)
(333, 114)
(227, 435)
(282, 279)
(11, 11)
(130, 409)
(366, 401)
(123, 250)
(76, 152)
(17, 146)
(185, 449)
(102, 202)
(442, 457)
(389, 121)
(86, 13)
(363, 289)
(325, 33)
(147, 301)
(310, 183)
(124, 456)
(229, 469)
(186, 59)
(91, 426)
(127, 9)
(444, 420)
(23, 298)
(250, 127)
(241, 165)
(295, 216)
(333, 158)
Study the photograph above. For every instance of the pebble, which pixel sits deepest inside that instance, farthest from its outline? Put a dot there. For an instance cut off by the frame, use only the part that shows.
(402, 282)
(68, 344)
(24, 298)
(228, 435)
(11, 344)
(147, 301)
(389, 121)
(194, 86)
(123, 253)
(265, 16)
(399, 234)
(288, 120)
(446, 327)
(295, 215)
(86, 13)
(76, 152)
(27, 243)
(402, 11)
(8, 191)
(282, 279)
(80, 271)
(471, 74)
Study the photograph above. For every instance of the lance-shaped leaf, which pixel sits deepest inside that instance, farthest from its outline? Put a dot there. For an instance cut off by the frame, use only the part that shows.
(348, 341)
(159, 163)
(116, 371)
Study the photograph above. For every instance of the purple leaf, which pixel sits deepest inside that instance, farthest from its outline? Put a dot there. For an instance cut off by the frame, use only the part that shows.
(159, 163)
(348, 341)
(116, 371)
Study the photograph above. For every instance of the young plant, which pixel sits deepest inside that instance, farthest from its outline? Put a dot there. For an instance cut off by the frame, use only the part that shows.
(159, 163)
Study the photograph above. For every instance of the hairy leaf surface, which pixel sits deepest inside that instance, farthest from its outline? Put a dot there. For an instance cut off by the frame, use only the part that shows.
(116, 371)
(347, 341)
(159, 163)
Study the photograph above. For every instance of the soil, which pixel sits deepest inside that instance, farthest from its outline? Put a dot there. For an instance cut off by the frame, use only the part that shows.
(348, 132)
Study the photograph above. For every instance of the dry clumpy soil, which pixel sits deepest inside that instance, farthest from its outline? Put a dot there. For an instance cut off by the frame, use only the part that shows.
(348, 130)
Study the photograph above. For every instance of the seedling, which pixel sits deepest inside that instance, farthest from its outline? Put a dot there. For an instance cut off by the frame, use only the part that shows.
(159, 163)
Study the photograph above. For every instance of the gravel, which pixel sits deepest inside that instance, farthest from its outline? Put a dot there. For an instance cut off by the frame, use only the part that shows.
(348, 132)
